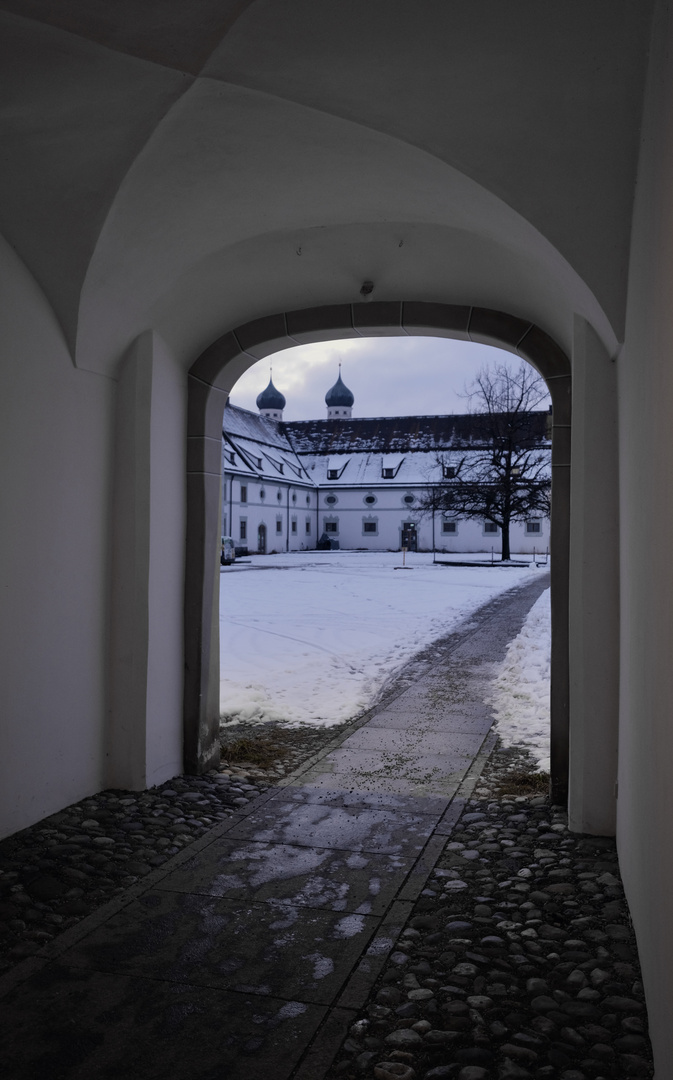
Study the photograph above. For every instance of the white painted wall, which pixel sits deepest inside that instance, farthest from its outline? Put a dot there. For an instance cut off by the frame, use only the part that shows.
(55, 439)
(645, 369)
(144, 737)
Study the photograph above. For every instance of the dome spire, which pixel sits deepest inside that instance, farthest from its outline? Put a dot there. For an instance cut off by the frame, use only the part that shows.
(271, 402)
(339, 400)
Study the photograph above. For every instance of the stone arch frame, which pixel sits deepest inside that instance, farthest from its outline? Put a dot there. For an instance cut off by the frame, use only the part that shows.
(209, 380)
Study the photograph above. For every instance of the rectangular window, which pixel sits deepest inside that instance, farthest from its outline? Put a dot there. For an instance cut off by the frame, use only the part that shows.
(448, 527)
(331, 526)
(244, 493)
(449, 472)
(224, 525)
(279, 526)
(388, 474)
(243, 533)
(533, 528)
(308, 528)
(294, 525)
(332, 474)
(490, 528)
(369, 527)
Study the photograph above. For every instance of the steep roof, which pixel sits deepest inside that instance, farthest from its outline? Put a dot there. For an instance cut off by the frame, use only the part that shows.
(390, 434)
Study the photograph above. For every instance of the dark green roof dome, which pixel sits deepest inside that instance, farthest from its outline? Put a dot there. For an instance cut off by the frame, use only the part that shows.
(271, 398)
(339, 394)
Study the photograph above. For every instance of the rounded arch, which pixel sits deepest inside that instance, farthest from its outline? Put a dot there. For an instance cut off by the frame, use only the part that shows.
(211, 378)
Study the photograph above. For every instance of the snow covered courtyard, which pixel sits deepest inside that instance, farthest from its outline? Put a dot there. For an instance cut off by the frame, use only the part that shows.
(314, 637)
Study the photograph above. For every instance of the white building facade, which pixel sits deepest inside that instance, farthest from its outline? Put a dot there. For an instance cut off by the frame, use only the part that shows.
(358, 483)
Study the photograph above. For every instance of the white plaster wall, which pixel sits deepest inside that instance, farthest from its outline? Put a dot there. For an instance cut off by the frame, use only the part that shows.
(645, 371)
(144, 737)
(55, 437)
(166, 568)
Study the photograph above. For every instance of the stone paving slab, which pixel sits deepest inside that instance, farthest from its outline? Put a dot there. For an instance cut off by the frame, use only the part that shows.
(97, 1025)
(415, 744)
(263, 949)
(477, 718)
(321, 824)
(420, 775)
(302, 876)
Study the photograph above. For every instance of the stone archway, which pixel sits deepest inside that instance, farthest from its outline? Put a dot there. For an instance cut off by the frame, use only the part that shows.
(211, 377)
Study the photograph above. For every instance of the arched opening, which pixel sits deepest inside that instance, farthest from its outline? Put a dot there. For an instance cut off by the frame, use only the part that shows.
(210, 380)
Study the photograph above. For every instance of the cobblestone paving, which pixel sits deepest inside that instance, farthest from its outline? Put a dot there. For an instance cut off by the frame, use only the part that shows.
(518, 962)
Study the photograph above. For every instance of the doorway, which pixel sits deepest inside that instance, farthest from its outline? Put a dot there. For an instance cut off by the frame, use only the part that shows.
(261, 540)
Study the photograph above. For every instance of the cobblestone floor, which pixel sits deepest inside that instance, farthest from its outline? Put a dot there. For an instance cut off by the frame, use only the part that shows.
(518, 962)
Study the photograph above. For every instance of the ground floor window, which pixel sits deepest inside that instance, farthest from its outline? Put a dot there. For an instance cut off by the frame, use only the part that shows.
(294, 525)
(449, 527)
(308, 527)
(370, 527)
(279, 526)
(243, 529)
(490, 528)
(533, 528)
(331, 526)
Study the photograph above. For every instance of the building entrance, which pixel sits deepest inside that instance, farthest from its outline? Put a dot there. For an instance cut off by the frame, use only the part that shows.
(261, 540)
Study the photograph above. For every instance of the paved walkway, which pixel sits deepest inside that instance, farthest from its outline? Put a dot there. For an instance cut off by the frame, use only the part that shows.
(248, 956)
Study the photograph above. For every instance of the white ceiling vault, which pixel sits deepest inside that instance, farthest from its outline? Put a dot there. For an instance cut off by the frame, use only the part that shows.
(189, 167)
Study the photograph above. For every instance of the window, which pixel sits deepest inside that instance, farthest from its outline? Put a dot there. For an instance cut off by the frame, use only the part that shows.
(279, 495)
(490, 528)
(279, 525)
(370, 527)
(294, 496)
(449, 472)
(308, 500)
(262, 493)
(533, 528)
(332, 474)
(388, 474)
(331, 526)
(448, 526)
(408, 499)
(370, 500)
(224, 525)
(243, 529)
(308, 527)
(331, 500)
(294, 525)
(244, 493)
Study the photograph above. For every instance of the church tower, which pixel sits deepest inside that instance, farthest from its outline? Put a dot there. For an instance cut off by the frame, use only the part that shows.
(339, 400)
(271, 402)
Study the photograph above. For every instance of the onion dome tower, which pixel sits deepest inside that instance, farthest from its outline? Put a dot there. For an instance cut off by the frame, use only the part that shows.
(271, 402)
(339, 400)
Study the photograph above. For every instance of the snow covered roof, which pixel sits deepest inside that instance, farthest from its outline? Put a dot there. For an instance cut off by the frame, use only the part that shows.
(391, 434)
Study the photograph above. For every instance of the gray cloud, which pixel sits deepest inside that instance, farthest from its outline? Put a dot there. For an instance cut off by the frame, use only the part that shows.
(388, 376)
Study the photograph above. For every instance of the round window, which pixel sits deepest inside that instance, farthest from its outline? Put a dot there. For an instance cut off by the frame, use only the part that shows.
(408, 499)
(330, 500)
(370, 499)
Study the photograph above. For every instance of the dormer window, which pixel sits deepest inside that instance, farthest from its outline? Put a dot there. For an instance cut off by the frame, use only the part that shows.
(388, 474)
(449, 472)
(332, 474)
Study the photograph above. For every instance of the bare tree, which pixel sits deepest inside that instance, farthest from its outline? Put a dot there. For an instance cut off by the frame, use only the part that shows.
(502, 474)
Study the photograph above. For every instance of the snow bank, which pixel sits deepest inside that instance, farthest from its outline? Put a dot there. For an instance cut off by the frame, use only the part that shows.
(521, 689)
(313, 637)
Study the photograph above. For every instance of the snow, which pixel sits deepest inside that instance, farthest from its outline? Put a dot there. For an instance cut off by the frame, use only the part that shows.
(521, 689)
(314, 637)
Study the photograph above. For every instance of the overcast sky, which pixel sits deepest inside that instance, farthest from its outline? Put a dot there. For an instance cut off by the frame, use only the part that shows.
(406, 376)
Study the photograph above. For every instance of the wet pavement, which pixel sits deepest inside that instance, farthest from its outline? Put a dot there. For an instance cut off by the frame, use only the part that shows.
(249, 954)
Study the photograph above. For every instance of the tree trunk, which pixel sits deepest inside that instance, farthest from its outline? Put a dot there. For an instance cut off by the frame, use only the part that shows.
(505, 541)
